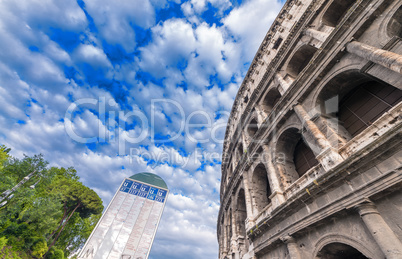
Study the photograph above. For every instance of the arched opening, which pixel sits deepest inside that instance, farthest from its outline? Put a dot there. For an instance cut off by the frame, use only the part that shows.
(293, 156)
(303, 158)
(336, 11)
(352, 101)
(252, 127)
(300, 60)
(340, 251)
(239, 151)
(394, 27)
(270, 100)
(363, 105)
(241, 216)
(261, 188)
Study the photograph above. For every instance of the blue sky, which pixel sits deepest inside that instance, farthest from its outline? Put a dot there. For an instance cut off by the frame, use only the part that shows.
(114, 88)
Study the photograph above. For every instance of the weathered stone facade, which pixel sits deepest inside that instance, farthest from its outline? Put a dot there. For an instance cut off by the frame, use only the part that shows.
(312, 152)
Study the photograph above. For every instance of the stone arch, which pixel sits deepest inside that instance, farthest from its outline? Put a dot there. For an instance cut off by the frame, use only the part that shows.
(335, 12)
(354, 101)
(260, 187)
(290, 148)
(270, 100)
(394, 26)
(327, 243)
(252, 127)
(241, 216)
(241, 212)
(300, 59)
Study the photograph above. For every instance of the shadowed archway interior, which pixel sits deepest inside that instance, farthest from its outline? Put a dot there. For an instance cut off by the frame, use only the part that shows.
(339, 251)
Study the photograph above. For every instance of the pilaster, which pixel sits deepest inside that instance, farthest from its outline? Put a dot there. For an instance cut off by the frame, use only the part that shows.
(318, 35)
(327, 155)
(293, 249)
(276, 196)
(283, 85)
(386, 239)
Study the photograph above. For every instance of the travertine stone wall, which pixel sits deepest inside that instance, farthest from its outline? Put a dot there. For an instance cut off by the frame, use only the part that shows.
(314, 59)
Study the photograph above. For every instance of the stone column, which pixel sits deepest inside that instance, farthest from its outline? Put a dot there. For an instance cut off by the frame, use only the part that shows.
(283, 85)
(261, 115)
(318, 35)
(292, 247)
(225, 236)
(386, 239)
(250, 219)
(382, 57)
(233, 220)
(327, 155)
(276, 196)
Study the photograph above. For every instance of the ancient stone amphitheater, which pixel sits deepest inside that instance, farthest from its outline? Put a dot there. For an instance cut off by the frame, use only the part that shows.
(312, 152)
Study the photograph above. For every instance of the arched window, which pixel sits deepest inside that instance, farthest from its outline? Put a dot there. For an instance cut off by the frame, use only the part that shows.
(353, 101)
(394, 27)
(300, 60)
(293, 156)
(270, 100)
(303, 158)
(261, 188)
(239, 150)
(252, 128)
(336, 11)
(340, 251)
(363, 105)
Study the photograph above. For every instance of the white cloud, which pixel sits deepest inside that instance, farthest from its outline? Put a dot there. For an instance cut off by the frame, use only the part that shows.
(92, 55)
(250, 22)
(209, 59)
(114, 19)
(197, 7)
(173, 41)
(45, 14)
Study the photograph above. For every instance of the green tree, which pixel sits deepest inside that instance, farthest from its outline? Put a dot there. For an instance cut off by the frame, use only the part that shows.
(76, 197)
(51, 201)
(79, 229)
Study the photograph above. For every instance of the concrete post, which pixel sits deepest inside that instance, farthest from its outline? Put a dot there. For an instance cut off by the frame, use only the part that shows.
(283, 85)
(318, 35)
(382, 57)
(386, 239)
(292, 247)
(327, 156)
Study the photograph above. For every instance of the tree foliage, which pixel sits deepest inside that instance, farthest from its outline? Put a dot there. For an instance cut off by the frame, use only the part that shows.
(50, 214)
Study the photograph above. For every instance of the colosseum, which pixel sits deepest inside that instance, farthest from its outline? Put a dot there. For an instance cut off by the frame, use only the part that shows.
(312, 151)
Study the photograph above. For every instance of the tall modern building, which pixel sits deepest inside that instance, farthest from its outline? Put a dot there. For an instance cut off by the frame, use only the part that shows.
(312, 151)
(128, 226)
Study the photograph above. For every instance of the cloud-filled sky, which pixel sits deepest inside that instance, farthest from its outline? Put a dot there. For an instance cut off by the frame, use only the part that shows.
(115, 88)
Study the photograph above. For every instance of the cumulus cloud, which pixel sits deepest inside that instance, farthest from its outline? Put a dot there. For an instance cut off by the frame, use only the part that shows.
(91, 55)
(251, 21)
(122, 55)
(114, 19)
